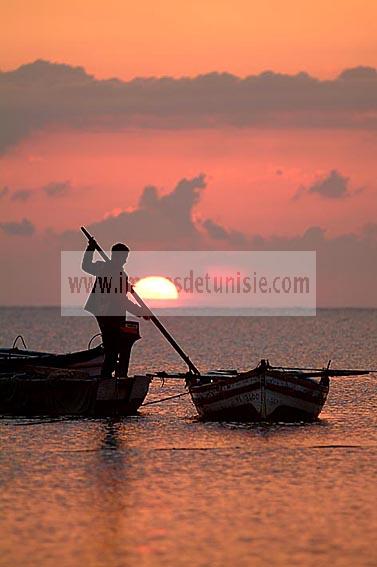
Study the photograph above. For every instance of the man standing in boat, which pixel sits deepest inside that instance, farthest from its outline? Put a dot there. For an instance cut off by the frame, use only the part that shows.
(108, 302)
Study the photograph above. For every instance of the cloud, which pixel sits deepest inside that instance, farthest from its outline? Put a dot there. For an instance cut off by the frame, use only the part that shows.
(164, 221)
(215, 230)
(22, 228)
(218, 232)
(333, 186)
(57, 189)
(43, 94)
(345, 263)
(359, 73)
(346, 267)
(51, 190)
(21, 195)
(4, 192)
(113, 213)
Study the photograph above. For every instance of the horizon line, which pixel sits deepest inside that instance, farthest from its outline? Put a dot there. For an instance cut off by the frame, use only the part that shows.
(318, 308)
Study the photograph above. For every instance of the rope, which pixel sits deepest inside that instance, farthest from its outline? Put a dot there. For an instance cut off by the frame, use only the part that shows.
(42, 422)
(21, 339)
(165, 399)
(92, 339)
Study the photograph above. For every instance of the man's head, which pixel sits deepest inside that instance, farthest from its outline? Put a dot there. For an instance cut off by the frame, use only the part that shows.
(119, 253)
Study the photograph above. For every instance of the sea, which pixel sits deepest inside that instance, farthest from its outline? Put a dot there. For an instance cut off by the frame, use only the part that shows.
(165, 489)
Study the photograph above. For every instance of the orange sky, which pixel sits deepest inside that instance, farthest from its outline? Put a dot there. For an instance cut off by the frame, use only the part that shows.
(253, 168)
(108, 170)
(123, 38)
(252, 176)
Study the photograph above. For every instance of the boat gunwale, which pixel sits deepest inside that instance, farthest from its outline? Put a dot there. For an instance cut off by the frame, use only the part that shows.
(290, 376)
(17, 354)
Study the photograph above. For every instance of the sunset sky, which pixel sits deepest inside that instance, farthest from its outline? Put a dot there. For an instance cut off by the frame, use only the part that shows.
(124, 39)
(271, 107)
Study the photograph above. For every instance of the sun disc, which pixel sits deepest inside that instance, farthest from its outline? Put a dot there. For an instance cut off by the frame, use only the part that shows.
(156, 287)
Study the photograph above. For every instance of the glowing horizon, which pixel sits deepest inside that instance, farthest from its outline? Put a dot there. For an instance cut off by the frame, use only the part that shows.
(156, 288)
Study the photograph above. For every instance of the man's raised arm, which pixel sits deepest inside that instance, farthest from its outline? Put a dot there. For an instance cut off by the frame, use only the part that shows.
(94, 268)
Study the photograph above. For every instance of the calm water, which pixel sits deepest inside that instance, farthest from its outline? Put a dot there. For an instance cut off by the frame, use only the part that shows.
(165, 489)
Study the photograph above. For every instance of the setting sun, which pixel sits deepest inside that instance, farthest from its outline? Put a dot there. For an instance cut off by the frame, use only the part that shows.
(156, 287)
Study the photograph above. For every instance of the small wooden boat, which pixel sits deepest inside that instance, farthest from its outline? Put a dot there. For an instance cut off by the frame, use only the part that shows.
(42, 383)
(51, 391)
(89, 360)
(265, 393)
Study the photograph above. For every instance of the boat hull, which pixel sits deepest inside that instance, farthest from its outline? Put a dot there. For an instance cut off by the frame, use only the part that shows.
(261, 395)
(40, 383)
(53, 392)
(121, 396)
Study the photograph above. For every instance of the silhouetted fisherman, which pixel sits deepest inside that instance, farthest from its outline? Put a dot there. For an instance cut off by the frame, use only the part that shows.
(108, 302)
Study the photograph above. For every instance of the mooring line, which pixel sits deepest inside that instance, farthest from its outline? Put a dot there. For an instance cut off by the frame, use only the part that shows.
(165, 399)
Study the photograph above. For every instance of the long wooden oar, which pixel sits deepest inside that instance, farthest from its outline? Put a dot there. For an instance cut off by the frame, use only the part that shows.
(149, 313)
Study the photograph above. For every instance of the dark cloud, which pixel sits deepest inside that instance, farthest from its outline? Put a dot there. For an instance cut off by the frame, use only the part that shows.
(332, 186)
(215, 230)
(218, 232)
(346, 267)
(21, 195)
(22, 228)
(4, 192)
(57, 189)
(164, 221)
(53, 189)
(42, 94)
(359, 73)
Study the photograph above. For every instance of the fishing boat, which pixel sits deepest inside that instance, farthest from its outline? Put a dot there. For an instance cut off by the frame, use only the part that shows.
(14, 359)
(43, 383)
(266, 393)
(50, 391)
